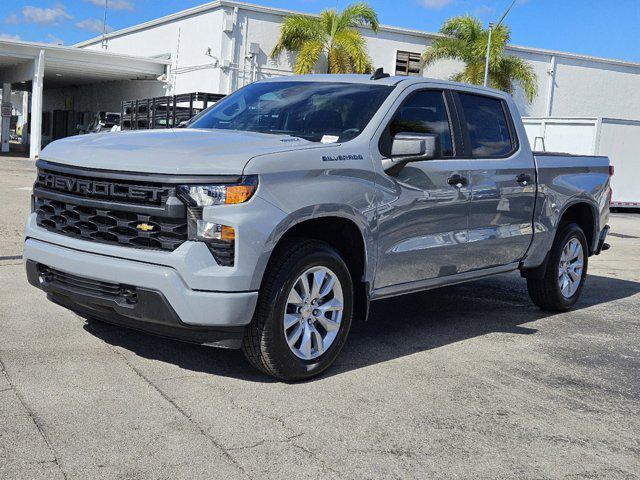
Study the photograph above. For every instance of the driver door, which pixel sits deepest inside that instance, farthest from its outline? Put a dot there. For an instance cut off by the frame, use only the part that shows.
(423, 217)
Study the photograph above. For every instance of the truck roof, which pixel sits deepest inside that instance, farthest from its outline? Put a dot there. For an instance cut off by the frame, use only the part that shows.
(366, 79)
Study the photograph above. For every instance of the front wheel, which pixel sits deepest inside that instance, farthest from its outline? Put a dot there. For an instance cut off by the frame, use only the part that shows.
(566, 271)
(304, 312)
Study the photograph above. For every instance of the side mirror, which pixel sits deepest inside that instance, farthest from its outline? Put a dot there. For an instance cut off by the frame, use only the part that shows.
(412, 147)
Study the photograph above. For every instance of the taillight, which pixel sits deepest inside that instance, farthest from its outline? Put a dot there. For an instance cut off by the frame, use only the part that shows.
(611, 170)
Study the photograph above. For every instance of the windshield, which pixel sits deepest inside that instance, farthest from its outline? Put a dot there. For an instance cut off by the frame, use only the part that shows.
(316, 111)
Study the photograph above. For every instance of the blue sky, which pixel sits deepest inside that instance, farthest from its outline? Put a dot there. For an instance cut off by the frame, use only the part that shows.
(604, 28)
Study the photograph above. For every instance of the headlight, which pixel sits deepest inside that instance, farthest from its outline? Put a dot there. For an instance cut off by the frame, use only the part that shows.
(219, 238)
(208, 195)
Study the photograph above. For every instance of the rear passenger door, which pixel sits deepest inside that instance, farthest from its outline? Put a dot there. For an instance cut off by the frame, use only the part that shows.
(502, 182)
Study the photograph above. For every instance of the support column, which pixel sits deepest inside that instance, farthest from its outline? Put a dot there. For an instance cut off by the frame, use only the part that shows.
(36, 107)
(25, 117)
(552, 85)
(6, 120)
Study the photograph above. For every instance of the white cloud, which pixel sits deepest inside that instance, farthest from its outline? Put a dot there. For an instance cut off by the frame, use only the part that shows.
(94, 25)
(12, 19)
(55, 40)
(483, 10)
(435, 3)
(45, 16)
(8, 36)
(113, 4)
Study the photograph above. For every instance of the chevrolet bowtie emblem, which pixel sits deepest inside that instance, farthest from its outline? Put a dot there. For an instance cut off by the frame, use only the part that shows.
(144, 227)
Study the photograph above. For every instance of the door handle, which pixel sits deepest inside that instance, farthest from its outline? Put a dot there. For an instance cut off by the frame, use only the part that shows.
(457, 181)
(523, 179)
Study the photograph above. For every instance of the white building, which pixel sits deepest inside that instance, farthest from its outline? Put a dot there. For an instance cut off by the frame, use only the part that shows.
(223, 45)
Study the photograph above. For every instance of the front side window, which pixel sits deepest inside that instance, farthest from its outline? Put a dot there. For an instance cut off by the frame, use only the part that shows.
(424, 112)
(317, 111)
(487, 125)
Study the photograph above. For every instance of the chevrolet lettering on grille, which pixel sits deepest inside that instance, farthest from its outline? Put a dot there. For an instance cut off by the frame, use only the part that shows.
(103, 189)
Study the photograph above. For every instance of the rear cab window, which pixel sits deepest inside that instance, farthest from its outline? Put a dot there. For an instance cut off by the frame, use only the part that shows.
(488, 126)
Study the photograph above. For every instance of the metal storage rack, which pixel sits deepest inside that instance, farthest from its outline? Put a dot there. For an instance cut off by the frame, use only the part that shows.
(164, 112)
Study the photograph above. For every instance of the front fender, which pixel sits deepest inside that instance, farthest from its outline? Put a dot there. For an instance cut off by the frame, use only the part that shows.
(362, 220)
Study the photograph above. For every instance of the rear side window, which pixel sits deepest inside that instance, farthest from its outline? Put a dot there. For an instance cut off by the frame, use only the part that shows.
(489, 134)
(425, 112)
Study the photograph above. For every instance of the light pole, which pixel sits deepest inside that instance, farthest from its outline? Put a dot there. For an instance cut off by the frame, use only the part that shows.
(104, 25)
(491, 28)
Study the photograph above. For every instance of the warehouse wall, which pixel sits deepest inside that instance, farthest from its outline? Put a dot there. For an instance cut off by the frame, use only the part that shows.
(596, 89)
(186, 40)
(100, 97)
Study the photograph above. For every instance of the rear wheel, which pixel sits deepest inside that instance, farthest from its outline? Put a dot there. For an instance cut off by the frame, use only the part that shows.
(304, 312)
(566, 271)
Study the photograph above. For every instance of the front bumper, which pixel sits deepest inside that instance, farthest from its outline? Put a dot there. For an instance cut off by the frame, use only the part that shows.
(163, 297)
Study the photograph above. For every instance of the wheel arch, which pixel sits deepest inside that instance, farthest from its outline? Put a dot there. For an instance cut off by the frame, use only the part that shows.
(348, 232)
(584, 213)
(581, 211)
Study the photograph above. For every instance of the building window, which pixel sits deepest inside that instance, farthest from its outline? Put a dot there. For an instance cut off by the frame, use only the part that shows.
(407, 63)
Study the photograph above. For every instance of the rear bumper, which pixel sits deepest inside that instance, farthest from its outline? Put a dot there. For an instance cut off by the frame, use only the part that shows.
(601, 241)
(165, 305)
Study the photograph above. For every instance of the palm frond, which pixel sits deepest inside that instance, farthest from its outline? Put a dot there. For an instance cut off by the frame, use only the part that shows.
(442, 48)
(339, 61)
(351, 44)
(521, 72)
(295, 31)
(473, 73)
(465, 28)
(308, 57)
(329, 20)
(466, 40)
(358, 15)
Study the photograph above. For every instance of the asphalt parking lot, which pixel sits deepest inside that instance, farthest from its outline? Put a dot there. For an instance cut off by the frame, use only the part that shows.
(470, 381)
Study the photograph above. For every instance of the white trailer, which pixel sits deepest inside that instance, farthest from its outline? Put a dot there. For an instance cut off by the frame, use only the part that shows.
(615, 138)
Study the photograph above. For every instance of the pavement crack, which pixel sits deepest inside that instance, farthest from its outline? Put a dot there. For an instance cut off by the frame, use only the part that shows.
(184, 413)
(275, 418)
(287, 439)
(34, 418)
(317, 458)
(247, 447)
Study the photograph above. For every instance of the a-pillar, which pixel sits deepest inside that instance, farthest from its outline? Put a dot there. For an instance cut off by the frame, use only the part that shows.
(6, 120)
(35, 139)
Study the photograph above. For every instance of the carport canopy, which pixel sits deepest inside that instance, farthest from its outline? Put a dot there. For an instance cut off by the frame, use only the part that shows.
(25, 64)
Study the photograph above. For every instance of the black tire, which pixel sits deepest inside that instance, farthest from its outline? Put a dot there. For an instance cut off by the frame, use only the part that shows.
(264, 343)
(545, 292)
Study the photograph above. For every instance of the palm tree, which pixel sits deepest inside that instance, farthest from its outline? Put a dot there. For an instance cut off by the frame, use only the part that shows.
(332, 35)
(465, 40)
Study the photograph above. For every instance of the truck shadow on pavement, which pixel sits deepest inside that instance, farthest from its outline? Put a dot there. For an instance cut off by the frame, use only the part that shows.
(396, 327)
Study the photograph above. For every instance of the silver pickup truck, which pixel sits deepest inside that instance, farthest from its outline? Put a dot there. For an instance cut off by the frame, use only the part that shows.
(280, 213)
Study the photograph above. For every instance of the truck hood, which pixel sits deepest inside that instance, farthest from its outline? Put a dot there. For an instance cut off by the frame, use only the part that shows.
(178, 152)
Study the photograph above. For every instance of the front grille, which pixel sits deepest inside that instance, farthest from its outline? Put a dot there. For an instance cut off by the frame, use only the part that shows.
(130, 212)
(110, 225)
(86, 185)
